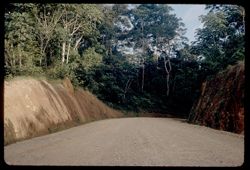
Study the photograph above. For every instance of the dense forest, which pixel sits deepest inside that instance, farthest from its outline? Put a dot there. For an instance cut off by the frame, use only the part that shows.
(132, 59)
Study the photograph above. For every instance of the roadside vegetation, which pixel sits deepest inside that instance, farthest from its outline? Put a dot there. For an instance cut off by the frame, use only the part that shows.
(135, 60)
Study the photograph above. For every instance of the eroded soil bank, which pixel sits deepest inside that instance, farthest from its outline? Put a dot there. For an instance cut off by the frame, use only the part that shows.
(37, 107)
(221, 104)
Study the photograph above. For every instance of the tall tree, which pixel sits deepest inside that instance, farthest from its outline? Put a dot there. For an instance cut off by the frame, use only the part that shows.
(77, 21)
(221, 41)
(21, 48)
(162, 29)
(108, 28)
(47, 17)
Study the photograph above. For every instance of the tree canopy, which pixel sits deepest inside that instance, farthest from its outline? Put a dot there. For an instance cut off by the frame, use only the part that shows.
(133, 59)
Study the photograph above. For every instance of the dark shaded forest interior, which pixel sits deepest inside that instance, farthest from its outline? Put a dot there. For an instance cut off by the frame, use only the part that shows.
(135, 59)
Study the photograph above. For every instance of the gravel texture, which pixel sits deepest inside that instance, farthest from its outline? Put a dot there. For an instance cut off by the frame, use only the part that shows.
(131, 142)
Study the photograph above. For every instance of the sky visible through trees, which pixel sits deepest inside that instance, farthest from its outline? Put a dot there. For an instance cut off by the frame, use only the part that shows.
(190, 17)
(133, 59)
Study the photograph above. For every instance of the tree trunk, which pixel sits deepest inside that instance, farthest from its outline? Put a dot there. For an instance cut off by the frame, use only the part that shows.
(63, 52)
(167, 84)
(128, 84)
(41, 54)
(167, 72)
(14, 58)
(67, 61)
(46, 60)
(40, 61)
(7, 57)
(142, 81)
(20, 57)
(20, 61)
(77, 43)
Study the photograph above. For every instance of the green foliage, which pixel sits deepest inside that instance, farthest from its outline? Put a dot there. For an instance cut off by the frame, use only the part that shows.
(91, 59)
(81, 42)
(34, 34)
(221, 41)
(21, 48)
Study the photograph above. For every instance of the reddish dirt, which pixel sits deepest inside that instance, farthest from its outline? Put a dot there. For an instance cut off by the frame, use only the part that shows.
(221, 104)
(36, 107)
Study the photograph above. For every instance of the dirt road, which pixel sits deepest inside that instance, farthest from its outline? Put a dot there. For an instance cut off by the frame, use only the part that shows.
(131, 142)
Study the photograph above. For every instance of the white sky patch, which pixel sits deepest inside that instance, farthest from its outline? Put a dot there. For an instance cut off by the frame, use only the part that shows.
(132, 6)
(193, 12)
(190, 17)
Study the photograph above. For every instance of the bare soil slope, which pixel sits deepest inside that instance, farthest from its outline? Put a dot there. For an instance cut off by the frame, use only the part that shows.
(221, 104)
(36, 107)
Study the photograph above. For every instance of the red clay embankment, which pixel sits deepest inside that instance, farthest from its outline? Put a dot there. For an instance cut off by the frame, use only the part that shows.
(221, 104)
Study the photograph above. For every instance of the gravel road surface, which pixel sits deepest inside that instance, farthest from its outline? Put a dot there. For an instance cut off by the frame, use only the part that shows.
(131, 142)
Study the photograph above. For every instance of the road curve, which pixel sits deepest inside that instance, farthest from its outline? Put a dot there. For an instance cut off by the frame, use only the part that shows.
(131, 142)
